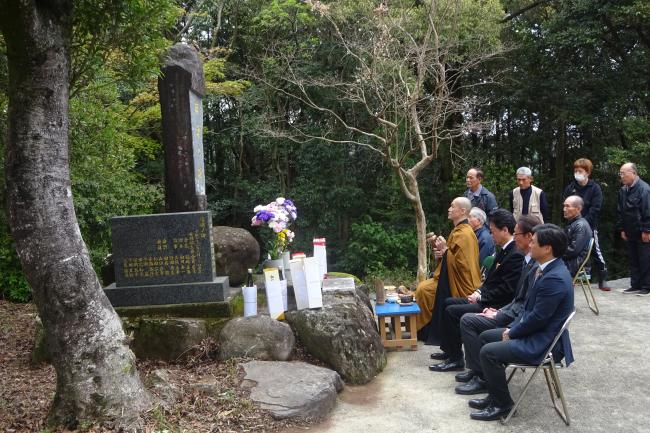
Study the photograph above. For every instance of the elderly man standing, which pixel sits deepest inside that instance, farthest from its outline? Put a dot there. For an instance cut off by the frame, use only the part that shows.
(457, 274)
(477, 219)
(527, 199)
(592, 197)
(578, 232)
(634, 225)
(478, 194)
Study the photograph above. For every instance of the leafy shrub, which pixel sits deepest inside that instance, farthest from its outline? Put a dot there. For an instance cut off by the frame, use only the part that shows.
(375, 249)
(13, 285)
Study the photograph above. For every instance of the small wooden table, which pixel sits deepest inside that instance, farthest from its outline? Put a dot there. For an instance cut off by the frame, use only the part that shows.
(395, 312)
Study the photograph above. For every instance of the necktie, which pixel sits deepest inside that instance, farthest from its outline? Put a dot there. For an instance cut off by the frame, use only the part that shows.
(538, 273)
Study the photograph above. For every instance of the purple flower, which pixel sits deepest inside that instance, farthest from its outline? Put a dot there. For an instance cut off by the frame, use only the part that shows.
(264, 215)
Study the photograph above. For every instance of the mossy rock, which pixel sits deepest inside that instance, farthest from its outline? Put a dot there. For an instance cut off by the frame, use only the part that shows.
(357, 281)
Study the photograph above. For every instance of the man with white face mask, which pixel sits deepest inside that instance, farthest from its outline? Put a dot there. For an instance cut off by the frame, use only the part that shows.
(592, 197)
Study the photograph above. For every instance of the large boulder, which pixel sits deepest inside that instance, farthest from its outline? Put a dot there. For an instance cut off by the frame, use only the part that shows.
(343, 334)
(258, 337)
(235, 250)
(292, 389)
(168, 339)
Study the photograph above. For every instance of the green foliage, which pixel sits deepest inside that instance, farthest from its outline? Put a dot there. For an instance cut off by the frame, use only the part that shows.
(105, 149)
(374, 249)
(13, 285)
(127, 36)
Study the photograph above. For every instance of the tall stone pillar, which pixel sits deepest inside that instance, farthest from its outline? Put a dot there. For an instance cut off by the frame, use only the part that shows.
(181, 89)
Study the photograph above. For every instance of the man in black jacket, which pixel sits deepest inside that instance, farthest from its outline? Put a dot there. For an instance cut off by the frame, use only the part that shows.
(497, 290)
(578, 233)
(634, 226)
(592, 197)
(471, 325)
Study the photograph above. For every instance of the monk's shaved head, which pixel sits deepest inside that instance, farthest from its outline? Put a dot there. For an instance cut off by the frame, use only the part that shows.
(463, 203)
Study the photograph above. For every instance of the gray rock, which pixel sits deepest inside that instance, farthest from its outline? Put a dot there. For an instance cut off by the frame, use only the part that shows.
(40, 352)
(236, 250)
(292, 389)
(258, 337)
(343, 334)
(166, 339)
(160, 383)
(188, 58)
(206, 388)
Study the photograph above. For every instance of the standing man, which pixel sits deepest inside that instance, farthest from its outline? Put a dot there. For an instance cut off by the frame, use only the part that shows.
(478, 194)
(548, 304)
(497, 290)
(578, 233)
(527, 199)
(634, 225)
(457, 274)
(592, 197)
(477, 219)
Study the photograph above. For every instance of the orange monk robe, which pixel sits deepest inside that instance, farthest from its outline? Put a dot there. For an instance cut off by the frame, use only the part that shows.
(462, 269)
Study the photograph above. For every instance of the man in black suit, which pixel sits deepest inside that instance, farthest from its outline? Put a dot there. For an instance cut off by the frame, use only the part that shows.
(497, 290)
(472, 325)
(548, 304)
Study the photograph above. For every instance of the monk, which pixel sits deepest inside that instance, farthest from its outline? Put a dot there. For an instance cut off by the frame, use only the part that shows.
(457, 274)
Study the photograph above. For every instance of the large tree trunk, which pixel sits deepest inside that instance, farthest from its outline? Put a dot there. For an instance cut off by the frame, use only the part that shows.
(96, 374)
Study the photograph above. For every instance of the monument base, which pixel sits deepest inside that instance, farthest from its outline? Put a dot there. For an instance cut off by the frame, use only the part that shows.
(217, 290)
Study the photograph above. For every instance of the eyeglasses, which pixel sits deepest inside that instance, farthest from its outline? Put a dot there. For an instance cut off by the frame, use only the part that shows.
(623, 173)
(519, 234)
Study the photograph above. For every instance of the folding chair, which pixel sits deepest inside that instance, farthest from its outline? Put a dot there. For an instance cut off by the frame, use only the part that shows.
(551, 376)
(582, 279)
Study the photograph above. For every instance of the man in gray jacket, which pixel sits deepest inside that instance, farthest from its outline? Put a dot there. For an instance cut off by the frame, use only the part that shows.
(471, 325)
(634, 227)
(579, 233)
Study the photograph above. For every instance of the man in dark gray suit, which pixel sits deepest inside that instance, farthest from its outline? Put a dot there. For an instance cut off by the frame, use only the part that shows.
(548, 304)
(471, 325)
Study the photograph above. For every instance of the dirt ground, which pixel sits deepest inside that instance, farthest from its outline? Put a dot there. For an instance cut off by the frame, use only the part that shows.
(26, 391)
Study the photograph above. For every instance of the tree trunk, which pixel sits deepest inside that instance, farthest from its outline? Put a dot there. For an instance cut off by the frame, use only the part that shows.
(421, 226)
(96, 375)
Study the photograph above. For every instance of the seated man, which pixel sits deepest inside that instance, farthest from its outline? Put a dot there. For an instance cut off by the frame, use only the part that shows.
(457, 273)
(579, 233)
(497, 290)
(548, 304)
(477, 220)
(471, 325)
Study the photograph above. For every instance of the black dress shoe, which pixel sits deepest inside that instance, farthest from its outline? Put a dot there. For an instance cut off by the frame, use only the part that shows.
(457, 365)
(491, 413)
(474, 386)
(465, 376)
(480, 403)
(440, 356)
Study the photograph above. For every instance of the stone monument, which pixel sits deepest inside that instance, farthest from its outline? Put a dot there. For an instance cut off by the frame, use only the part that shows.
(181, 88)
(164, 259)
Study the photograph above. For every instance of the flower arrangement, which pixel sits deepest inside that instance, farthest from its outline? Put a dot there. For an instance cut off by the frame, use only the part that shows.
(278, 215)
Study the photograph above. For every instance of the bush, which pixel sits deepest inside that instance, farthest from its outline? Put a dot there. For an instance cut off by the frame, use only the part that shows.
(13, 285)
(374, 249)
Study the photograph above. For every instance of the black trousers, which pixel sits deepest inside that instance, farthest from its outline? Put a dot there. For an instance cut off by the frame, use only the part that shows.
(639, 261)
(495, 355)
(471, 327)
(450, 341)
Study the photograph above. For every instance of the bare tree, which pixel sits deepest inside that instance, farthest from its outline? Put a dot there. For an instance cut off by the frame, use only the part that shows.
(96, 375)
(411, 80)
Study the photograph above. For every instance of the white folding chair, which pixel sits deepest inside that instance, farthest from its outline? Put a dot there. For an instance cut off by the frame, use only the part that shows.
(551, 376)
(582, 279)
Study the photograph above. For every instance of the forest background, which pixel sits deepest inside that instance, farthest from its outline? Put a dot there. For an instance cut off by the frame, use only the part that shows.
(560, 80)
